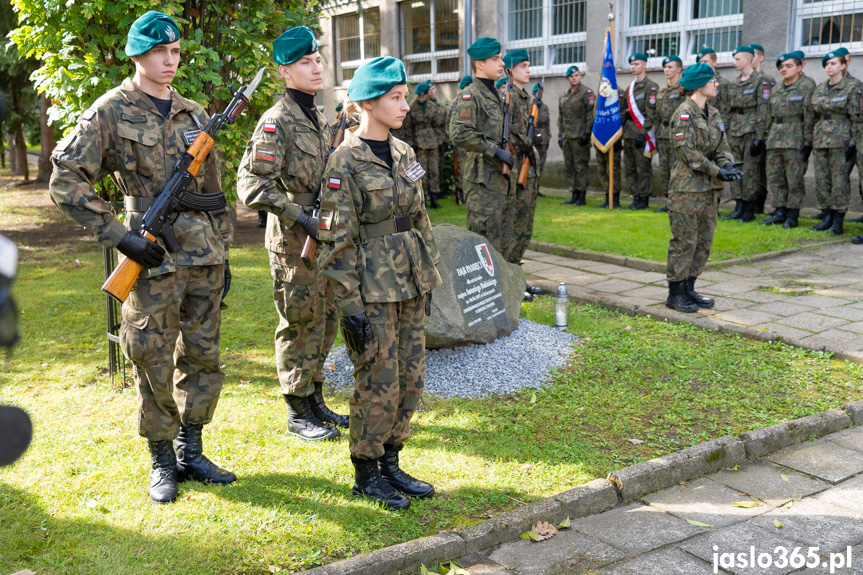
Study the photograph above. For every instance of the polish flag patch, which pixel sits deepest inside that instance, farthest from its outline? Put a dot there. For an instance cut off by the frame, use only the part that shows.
(335, 183)
(465, 96)
(684, 116)
(270, 128)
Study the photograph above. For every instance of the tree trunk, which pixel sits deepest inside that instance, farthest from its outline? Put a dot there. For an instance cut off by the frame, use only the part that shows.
(48, 143)
(2, 152)
(13, 157)
(21, 152)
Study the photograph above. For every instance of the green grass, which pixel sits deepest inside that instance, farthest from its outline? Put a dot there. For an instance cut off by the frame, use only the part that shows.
(644, 234)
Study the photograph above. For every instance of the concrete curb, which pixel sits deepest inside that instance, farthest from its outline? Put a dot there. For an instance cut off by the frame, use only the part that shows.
(766, 440)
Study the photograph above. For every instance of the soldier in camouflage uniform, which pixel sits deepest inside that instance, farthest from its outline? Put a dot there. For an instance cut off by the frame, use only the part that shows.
(378, 251)
(639, 107)
(171, 319)
(281, 173)
(858, 159)
(704, 161)
(789, 141)
(476, 128)
(720, 101)
(574, 123)
(748, 100)
(543, 132)
(427, 119)
(835, 107)
(762, 159)
(443, 113)
(667, 101)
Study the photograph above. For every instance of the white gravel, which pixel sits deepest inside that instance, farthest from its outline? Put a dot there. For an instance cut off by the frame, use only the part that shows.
(523, 359)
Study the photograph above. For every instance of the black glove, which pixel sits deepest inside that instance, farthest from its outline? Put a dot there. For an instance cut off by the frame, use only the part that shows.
(640, 139)
(140, 249)
(309, 223)
(357, 332)
(805, 150)
(755, 148)
(560, 142)
(850, 153)
(729, 172)
(428, 303)
(504, 156)
(227, 280)
(584, 139)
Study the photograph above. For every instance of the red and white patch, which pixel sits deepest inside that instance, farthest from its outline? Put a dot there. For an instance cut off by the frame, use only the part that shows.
(465, 96)
(265, 156)
(591, 100)
(684, 116)
(652, 99)
(335, 183)
(765, 94)
(270, 128)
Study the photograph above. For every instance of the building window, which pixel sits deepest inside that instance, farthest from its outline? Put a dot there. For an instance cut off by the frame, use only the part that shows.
(823, 25)
(552, 32)
(358, 40)
(660, 28)
(430, 37)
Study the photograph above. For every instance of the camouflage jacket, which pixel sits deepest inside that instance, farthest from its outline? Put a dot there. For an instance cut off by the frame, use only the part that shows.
(425, 124)
(476, 127)
(645, 93)
(359, 190)
(521, 104)
(720, 102)
(543, 126)
(768, 77)
(667, 101)
(807, 80)
(442, 123)
(789, 116)
(747, 106)
(575, 112)
(123, 135)
(833, 112)
(702, 148)
(281, 173)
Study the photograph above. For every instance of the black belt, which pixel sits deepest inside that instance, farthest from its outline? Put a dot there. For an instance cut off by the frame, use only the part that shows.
(386, 227)
(190, 203)
(743, 110)
(833, 117)
(788, 120)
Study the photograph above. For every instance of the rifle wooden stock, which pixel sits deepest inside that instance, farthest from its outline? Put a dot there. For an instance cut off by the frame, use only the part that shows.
(121, 281)
(525, 162)
(308, 253)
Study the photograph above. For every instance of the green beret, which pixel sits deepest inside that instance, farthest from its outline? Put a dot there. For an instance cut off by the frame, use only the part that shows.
(376, 77)
(838, 53)
(638, 56)
(515, 57)
(293, 45)
(535, 88)
(483, 48)
(668, 59)
(797, 54)
(571, 70)
(696, 76)
(758, 47)
(339, 107)
(500, 81)
(745, 48)
(465, 82)
(150, 30)
(704, 52)
(422, 88)
(788, 56)
(841, 52)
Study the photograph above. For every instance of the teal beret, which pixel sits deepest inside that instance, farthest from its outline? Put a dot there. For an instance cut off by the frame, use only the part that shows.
(293, 45)
(758, 47)
(704, 52)
(340, 106)
(483, 48)
(535, 88)
(696, 76)
(788, 56)
(637, 56)
(515, 57)
(571, 70)
(422, 88)
(838, 53)
(150, 30)
(841, 52)
(465, 82)
(500, 82)
(745, 48)
(668, 59)
(376, 77)
(797, 54)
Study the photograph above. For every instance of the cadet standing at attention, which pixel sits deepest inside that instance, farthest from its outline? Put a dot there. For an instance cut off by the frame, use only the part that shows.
(476, 126)
(789, 141)
(543, 133)
(746, 119)
(462, 154)
(667, 101)
(638, 110)
(378, 251)
(171, 319)
(762, 159)
(426, 120)
(720, 101)
(704, 161)
(441, 126)
(281, 172)
(574, 123)
(835, 108)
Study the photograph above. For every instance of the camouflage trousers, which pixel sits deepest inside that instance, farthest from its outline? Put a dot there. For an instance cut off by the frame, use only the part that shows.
(575, 160)
(485, 212)
(308, 323)
(692, 217)
(785, 169)
(524, 207)
(638, 171)
(859, 163)
(832, 187)
(543, 154)
(388, 377)
(428, 159)
(745, 189)
(667, 157)
(762, 176)
(602, 168)
(170, 333)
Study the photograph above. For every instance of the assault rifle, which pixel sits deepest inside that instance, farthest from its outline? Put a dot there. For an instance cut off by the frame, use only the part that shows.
(175, 195)
(507, 121)
(531, 130)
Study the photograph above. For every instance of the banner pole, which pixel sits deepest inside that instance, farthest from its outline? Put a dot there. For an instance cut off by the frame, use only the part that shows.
(611, 178)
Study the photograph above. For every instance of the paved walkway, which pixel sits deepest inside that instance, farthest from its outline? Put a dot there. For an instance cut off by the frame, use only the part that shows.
(812, 298)
(812, 490)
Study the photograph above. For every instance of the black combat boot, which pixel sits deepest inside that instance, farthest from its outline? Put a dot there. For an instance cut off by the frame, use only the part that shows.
(823, 214)
(778, 217)
(857, 220)
(581, 200)
(302, 422)
(262, 218)
(395, 476)
(677, 299)
(645, 203)
(759, 205)
(748, 214)
(825, 224)
(857, 240)
(636, 201)
(616, 201)
(661, 210)
(368, 482)
(192, 464)
(433, 204)
(533, 290)
(836, 227)
(736, 212)
(324, 413)
(163, 477)
(573, 200)
(791, 219)
(695, 297)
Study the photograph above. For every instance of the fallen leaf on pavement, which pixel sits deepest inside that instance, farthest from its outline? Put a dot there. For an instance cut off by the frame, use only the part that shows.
(746, 504)
(698, 523)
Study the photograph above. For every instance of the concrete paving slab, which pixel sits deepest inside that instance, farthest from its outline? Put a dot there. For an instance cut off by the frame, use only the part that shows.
(812, 321)
(848, 292)
(761, 296)
(818, 301)
(822, 459)
(705, 501)
(717, 276)
(636, 528)
(640, 276)
(782, 331)
(561, 274)
(480, 564)
(530, 267)
(603, 268)
(650, 292)
(731, 546)
(669, 561)
(856, 327)
(764, 481)
(731, 287)
(847, 438)
(826, 269)
(746, 317)
(728, 303)
(782, 309)
(746, 271)
(846, 494)
(614, 286)
(567, 552)
(816, 523)
(845, 312)
(835, 340)
(842, 564)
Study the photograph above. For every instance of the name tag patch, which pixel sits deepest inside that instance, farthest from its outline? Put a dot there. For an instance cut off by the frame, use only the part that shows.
(190, 136)
(88, 115)
(795, 98)
(838, 99)
(721, 126)
(335, 183)
(269, 127)
(674, 96)
(749, 91)
(415, 172)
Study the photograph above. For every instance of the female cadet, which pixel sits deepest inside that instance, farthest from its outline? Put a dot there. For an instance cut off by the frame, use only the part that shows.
(789, 141)
(834, 104)
(699, 138)
(378, 252)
